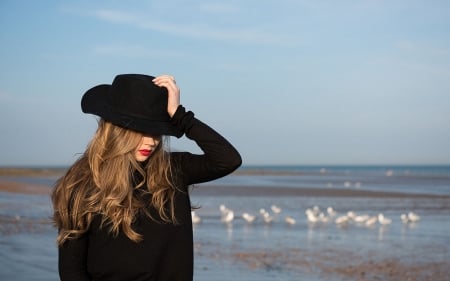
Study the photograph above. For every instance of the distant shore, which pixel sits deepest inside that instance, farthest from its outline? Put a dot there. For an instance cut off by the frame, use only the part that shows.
(8, 184)
(32, 172)
(24, 188)
(251, 191)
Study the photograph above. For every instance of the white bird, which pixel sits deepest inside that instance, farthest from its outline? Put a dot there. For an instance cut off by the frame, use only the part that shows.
(290, 220)
(361, 218)
(248, 218)
(268, 218)
(311, 216)
(331, 212)
(371, 221)
(228, 216)
(195, 218)
(223, 209)
(413, 217)
(342, 220)
(351, 215)
(275, 209)
(383, 220)
(404, 218)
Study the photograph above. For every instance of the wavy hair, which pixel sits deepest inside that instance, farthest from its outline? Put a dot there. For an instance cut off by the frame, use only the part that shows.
(101, 182)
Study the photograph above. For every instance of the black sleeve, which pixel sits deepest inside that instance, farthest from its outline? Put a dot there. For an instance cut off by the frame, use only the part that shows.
(72, 260)
(219, 157)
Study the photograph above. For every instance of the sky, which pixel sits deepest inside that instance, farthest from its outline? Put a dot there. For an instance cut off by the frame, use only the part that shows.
(288, 82)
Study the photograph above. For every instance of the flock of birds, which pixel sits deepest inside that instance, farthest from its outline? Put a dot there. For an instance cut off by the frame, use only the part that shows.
(314, 215)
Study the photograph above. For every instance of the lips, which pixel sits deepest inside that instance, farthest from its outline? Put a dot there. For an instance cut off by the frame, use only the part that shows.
(145, 152)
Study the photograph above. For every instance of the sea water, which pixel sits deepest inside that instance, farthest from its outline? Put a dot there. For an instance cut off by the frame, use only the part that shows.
(275, 251)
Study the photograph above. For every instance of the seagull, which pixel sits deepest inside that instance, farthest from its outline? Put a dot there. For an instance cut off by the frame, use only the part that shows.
(371, 221)
(361, 218)
(404, 218)
(195, 218)
(331, 212)
(228, 216)
(413, 217)
(383, 220)
(351, 215)
(248, 218)
(290, 220)
(223, 209)
(342, 220)
(311, 216)
(275, 209)
(267, 218)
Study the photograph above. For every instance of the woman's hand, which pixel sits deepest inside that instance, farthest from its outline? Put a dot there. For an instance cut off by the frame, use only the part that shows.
(168, 82)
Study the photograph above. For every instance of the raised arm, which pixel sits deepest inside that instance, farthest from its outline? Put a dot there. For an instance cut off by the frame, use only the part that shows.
(219, 157)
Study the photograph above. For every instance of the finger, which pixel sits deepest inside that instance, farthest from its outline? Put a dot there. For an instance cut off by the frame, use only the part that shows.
(164, 78)
(169, 84)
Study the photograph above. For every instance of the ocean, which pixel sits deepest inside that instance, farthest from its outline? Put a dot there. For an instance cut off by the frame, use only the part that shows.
(291, 246)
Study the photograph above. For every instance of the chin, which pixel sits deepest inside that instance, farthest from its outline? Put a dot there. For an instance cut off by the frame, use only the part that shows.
(141, 158)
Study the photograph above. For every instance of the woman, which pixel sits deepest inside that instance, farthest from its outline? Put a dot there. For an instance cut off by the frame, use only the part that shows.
(122, 209)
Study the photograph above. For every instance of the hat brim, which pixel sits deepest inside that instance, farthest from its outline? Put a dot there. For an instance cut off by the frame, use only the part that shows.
(96, 101)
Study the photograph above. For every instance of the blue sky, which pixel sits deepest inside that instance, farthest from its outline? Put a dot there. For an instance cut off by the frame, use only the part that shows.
(287, 82)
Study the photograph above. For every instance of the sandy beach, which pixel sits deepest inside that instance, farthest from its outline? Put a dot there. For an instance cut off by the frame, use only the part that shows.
(300, 252)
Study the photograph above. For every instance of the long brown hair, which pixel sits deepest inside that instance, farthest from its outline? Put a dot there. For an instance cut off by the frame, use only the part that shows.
(101, 182)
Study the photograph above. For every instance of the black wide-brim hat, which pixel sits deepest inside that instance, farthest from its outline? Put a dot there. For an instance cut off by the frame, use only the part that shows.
(133, 102)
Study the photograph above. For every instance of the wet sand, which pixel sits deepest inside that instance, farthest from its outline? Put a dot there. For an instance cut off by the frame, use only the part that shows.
(331, 263)
(24, 188)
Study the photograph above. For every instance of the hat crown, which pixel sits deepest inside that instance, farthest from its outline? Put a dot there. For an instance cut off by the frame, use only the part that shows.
(136, 95)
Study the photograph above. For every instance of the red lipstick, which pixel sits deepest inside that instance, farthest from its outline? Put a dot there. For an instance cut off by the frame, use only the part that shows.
(145, 152)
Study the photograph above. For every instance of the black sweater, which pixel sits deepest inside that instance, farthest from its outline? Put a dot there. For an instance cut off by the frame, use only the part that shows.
(166, 253)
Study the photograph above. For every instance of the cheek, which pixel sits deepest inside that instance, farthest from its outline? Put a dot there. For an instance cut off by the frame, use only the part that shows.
(141, 144)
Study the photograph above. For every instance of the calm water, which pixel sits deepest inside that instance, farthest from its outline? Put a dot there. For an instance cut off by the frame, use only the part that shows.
(29, 252)
(409, 179)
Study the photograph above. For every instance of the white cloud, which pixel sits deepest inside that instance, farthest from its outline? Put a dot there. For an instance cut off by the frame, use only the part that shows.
(195, 30)
(116, 16)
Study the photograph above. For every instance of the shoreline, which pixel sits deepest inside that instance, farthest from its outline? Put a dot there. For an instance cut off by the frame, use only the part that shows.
(274, 191)
(24, 188)
(11, 186)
